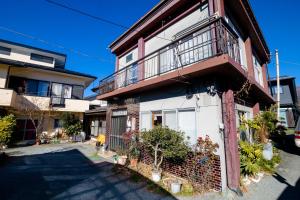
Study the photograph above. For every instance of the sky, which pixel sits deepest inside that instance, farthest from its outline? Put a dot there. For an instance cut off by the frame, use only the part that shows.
(85, 40)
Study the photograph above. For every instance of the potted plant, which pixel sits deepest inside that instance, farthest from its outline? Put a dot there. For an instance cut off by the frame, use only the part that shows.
(101, 142)
(163, 142)
(176, 186)
(122, 156)
(132, 141)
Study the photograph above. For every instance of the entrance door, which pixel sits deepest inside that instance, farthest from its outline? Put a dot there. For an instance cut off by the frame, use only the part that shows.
(118, 127)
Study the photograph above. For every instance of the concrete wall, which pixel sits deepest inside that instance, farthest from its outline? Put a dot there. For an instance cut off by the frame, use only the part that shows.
(42, 103)
(122, 60)
(208, 113)
(7, 97)
(47, 76)
(23, 54)
(155, 43)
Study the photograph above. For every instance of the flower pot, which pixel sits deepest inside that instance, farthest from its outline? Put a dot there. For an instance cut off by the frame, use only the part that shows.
(133, 162)
(103, 149)
(268, 151)
(156, 176)
(122, 160)
(175, 187)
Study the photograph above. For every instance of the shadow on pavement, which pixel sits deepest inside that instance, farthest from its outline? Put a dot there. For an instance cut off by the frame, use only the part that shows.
(287, 144)
(71, 175)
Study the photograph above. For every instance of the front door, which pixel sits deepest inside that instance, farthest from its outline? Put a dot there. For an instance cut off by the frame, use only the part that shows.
(118, 127)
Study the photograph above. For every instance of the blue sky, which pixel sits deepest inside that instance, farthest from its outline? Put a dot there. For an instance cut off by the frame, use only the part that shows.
(42, 20)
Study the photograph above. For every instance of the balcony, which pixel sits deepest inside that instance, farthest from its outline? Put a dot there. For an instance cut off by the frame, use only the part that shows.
(7, 97)
(198, 43)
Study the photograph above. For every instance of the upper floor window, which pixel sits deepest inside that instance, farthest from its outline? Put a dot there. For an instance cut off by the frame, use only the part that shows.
(257, 70)
(275, 89)
(5, 50)
(41, 58)
(61, 90)
(129, 58)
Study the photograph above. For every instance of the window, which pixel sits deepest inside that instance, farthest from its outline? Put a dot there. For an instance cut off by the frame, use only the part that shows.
(187, 124)
(57, 123)
(61, 90)
(41, 58)
(129, 58)
(257, 70)
(29, 86)
(156, 118)
(145, 121)
(170, 119)
(26, 129)
(180, 120)
(275, 89)
(5, 51)
(77, 92)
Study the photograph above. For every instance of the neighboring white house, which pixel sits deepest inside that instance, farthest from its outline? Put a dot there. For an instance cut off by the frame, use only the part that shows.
(30, 76)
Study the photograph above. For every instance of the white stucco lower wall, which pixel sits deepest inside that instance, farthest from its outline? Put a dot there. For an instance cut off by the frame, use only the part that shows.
(208, 115)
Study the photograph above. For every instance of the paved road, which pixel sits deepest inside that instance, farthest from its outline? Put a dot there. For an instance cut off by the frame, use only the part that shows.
(66, 172)
(285, 183)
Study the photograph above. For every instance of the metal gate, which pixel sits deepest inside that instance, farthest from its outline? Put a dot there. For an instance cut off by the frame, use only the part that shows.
(118, 127)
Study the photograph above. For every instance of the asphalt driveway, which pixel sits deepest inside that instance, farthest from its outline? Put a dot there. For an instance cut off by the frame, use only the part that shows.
(66, 171)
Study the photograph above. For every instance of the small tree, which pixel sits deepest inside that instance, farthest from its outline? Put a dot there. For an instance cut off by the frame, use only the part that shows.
(36, 109)
(7, 126)
(164, 143)
(71, 124)
(263, 124)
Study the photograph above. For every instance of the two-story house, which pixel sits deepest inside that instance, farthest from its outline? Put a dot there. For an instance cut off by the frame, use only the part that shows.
(289, 111)
(194, 66)
(35, 80)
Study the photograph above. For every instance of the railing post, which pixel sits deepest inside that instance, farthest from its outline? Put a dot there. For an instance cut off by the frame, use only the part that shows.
(158, 63)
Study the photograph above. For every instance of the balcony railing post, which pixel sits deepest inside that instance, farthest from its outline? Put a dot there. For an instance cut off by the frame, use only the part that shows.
(158, 63)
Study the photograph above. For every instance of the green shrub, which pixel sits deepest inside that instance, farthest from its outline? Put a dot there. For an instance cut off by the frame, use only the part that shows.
(71, 124)
(252, 161)
(165, 143)
(7, 126)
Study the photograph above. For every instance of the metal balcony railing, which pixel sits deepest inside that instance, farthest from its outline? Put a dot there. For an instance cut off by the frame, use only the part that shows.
(195, 44)
(57, 101)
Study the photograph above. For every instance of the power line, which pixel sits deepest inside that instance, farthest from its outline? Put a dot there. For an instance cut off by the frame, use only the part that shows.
(289, 62)
(97, 18)
(56, 45)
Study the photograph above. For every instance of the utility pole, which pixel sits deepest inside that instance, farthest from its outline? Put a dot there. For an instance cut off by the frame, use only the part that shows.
(278, 84)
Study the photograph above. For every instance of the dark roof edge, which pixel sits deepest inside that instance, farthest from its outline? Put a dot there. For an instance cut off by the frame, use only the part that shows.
(65, 71)
(32, 47)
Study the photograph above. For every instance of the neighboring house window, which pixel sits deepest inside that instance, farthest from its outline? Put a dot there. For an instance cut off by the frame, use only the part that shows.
(275, 89)
(41, 58)
(129, 58)
(57, 123)
(61, 90)
(25, 129)
(29, 86)
(77, 92)
(5, 51)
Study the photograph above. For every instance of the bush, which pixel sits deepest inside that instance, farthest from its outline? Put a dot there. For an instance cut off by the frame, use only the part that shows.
(165, 143)
(252, 161)
(71, 124)
(7, 126)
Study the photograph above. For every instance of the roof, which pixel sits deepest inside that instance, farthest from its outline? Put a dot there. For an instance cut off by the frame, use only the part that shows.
(31, 47)
(272, 79)
(60, 70)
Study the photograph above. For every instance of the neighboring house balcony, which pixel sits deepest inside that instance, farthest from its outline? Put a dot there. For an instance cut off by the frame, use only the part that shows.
(203, 47)
(52, 103)
(7, 97)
